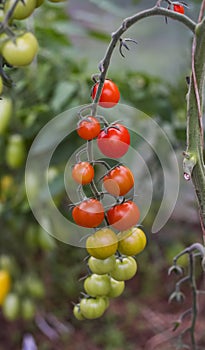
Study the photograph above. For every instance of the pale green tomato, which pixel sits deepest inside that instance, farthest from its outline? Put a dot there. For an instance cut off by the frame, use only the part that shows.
(11, 307)
(27, 309)
(116, 288)
(23, 9)
(102, 266)
(39, 2)
(15, 151)
(22, 51)
(5, 113)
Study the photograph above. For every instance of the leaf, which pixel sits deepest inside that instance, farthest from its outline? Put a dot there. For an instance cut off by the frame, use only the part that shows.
(63, 92)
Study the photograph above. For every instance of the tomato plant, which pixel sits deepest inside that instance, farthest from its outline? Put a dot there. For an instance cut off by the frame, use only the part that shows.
(110, 94)
(114, 141)
(132, 242)
(101, 266)
(83, 173)
(89, 213)
(125, 269)
(92, 308)
(97, 285)
(116, 288)
(22, 51)
(119, 181)
(102, 244)
(88, 129)
(22, 10)
(123, 216)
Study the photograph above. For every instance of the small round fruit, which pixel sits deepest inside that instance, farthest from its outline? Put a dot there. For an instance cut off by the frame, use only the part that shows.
(28, 309)
(114, 141)
(116, 288)
(110, 94)
(92, 308)
(83, 173)
(11, 307)
(123, 216)
(97, 285)
(15, 151)
(6, 109)
(5, 285)
(132, 242)
(125, 269)
(88, 129)
(22, 10)
(20, 52)
(179, 8)
(119, 181)
(39, 3)
(102, 244)
(89, 213)
(77, 312)
(101, 266)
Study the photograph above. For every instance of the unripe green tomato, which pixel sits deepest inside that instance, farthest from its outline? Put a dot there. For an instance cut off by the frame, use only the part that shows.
(97, 285)
(92, 308)
(77, 313)
(5, 113)
(1, 85)
(15, 151)
(125, 268)
(102, 266)
(39, 3)
(22, 10)
(22, 51)
(11, 307)
(27, 309)
(35, 287)
(116, 288)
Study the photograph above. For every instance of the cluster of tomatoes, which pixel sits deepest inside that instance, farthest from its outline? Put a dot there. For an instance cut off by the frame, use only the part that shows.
(116, 238)
(17, 47)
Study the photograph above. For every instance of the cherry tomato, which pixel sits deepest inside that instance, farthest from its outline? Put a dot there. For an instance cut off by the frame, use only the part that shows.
(89, 213)
(179, 9)
(1, 85)
(22, 10)
(102, 244)
(5, 285)
(125, 269)
(5, 113)
(123, 216)
(110, 94)
(15, 151)
(11, 306)
(132, 242)
(77, 312)
(97, 285)
(101, 266)
(116, 288)
(88, 129)
(92, 308)
(35, 287)
(27, 309)
(83, 173)
(114, 141)
(119, 181)
(22, 51)
(39, 3)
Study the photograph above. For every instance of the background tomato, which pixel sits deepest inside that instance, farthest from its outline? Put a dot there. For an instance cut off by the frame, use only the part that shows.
(88, 129)
(11, 307)
(22, 10)
(119, 181)
(114, 141)
(125, 269)
(110, 94)
(101, 266)
(15, 151)
(97, 285)
(92, 308)
(132, 242)
(102, 243)
(6, 109)
(89, 213)
(123, 216)
(5, 285)
(83, 173)
(27, 309)
(22, 51)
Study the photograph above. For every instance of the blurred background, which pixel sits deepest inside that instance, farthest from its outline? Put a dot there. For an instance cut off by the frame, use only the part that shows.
(45, 273)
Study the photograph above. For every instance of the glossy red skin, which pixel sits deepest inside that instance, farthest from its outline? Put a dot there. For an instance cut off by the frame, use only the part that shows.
(110, 94)
(114, 141)
(83, 173)
(89, 213)
(179, 9)
(89, 130)
(119, 181)
(123, 216)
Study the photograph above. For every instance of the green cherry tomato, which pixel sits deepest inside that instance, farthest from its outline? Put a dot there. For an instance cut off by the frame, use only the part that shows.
(22, 51)
(11, 307)
(116, 288)
(125, 269)
(22, 10)
(28, 309)
(132, 242)
(39, 3)
(102, 266)
(102, 244)
(97, 285)
(35, 287)
(92, 308)
(5, 113)
(15, 151)
(77, 313)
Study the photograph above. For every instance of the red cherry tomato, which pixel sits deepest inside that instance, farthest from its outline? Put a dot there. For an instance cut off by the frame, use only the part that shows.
(89, 213)
(119, 181)
(83, 173)
(110, 94)
(114, 141)
(179, 9)
(88, 129)
(123, 216)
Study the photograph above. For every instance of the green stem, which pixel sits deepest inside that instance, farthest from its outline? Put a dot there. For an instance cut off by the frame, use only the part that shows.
(194, 300)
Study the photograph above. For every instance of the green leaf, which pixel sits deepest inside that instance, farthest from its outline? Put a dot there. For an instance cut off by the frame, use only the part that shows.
(63, 92)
